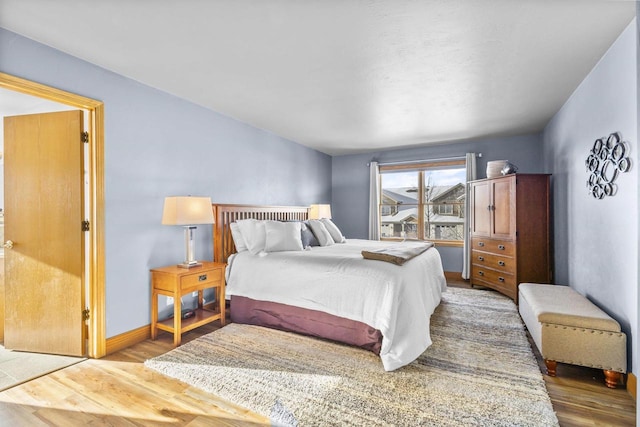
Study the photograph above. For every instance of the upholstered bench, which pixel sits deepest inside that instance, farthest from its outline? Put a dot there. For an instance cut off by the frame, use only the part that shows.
(567, 327)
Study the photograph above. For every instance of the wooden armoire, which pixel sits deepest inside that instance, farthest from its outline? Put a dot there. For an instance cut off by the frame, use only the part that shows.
(510, 232)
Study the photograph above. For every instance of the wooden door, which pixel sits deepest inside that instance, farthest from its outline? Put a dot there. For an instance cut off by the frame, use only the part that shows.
(503, 208)
(480, 209)
(44, 292)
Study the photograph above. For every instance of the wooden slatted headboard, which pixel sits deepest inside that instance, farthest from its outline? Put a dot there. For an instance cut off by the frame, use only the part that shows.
(224, 215)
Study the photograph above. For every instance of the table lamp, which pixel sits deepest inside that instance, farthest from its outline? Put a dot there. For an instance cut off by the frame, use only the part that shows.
(188, 211)
(320, 211)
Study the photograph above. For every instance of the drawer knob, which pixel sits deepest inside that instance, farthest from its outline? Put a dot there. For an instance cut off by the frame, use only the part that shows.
(501, 247)
(202, 278)
(481, 258)
(501, 279)
(481, 273)
(480, 243)
(501, 263)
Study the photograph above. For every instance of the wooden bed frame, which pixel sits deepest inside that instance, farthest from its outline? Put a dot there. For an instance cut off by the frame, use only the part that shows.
(281, 316)
(224, 215)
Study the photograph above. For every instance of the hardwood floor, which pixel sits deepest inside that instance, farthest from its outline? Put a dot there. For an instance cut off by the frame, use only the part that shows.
(119, 391)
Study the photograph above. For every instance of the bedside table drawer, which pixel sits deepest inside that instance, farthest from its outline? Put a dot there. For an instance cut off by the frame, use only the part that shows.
(198, 279)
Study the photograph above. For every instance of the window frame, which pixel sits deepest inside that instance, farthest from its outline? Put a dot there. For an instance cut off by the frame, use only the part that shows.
(419, 167)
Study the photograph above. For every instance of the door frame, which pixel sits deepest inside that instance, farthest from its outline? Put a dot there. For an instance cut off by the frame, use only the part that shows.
(96, 251)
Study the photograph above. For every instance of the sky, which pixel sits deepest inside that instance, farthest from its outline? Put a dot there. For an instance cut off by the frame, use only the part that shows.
(410, 179)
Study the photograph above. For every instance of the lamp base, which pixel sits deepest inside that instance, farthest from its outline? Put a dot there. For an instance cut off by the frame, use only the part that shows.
(190, 257)
(190, 265)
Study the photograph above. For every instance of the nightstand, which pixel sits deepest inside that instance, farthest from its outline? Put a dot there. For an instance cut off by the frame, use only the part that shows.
(174, 281)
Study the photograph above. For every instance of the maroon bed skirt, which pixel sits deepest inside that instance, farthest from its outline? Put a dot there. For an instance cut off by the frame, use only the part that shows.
(304, 321)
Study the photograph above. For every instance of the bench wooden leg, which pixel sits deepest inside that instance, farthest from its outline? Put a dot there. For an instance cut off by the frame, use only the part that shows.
(551, 367)
(612, 378)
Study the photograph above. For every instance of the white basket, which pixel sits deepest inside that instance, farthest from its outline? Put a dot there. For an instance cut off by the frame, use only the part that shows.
(494, 168)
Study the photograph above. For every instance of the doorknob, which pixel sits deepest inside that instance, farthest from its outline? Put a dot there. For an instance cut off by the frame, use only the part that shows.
(8, 244)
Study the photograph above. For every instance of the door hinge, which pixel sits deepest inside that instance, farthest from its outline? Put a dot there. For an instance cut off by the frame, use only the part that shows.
(85, 225)
(85, 137)
(85, 314)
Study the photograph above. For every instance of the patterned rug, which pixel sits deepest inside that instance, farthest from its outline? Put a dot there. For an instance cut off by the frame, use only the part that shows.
(480, 371)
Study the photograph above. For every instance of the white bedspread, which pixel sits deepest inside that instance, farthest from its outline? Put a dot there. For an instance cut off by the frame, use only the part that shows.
(396, 300)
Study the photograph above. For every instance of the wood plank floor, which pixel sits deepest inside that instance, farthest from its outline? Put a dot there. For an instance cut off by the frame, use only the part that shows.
(119, 391)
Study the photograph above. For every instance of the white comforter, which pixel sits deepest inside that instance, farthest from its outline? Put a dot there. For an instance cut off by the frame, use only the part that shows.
(396, 300)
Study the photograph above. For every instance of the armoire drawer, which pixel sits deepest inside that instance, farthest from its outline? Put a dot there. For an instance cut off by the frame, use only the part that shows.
(487, 275)
(494, 261)
(503, 247)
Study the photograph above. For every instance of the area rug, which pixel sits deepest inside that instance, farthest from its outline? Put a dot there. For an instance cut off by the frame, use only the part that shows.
(17, 367)
(480, 371)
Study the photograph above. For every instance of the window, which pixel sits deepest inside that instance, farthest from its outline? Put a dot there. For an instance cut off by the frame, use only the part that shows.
(423, 201)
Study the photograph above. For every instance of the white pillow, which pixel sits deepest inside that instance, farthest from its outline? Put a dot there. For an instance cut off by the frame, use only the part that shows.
(238, 240)
(254, 234)
(333, 229)
(282, 236)
(321, 232)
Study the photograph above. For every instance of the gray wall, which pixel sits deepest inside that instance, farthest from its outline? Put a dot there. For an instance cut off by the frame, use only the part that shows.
(158, 145)
(596, 241)
(350, 178)
(635, 345)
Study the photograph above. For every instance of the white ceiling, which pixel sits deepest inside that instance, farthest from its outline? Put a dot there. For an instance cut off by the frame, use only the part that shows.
(344, 76)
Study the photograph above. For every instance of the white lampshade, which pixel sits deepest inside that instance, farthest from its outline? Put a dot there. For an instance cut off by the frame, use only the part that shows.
(187, 210)
(320, 211)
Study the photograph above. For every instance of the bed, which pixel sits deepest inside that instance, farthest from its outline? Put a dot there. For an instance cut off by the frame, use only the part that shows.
(331, 292)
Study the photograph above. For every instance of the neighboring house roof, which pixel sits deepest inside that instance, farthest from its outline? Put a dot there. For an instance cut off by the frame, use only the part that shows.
(441, 191)
(401, 216)
(437, 219)
(412, 213)
(402, 194)
(410, 194)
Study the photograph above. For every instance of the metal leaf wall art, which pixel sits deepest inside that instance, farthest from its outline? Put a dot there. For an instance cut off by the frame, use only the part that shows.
(607, 159)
